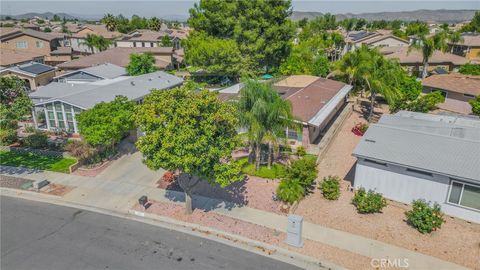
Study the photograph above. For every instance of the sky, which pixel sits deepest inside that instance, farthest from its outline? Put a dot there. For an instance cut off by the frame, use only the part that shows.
(169, 8)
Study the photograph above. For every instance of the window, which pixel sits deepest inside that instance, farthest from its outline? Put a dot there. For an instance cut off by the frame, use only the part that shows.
(39, 44)
(293, 134)
(468, 96)
(21, 45)
(465, 195)
(419, 172)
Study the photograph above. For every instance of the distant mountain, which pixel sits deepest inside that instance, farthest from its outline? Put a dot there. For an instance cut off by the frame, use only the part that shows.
(440, 16)
(46, 15)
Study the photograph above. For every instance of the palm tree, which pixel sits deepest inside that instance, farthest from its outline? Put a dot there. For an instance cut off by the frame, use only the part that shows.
(110, 22)
(265, 115)
(154, 24)
(90, 41)
(103, 43)
(454, 39)
(427, 46)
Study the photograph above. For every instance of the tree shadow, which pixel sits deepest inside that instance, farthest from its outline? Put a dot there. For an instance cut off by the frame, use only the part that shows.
(208, 197)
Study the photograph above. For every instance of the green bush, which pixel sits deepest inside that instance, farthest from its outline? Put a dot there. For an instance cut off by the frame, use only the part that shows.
(8, 136)
(330, 187)
(301, 152)
(368, 202)
(425, 218)
(304, 171)
(37, 140)
(277, 171)
(290, 191)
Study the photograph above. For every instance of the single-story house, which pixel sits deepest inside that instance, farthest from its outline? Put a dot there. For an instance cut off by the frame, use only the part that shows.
(34, 74)
(57, 104)
(164, 58)
(458, 89)
(469, 47)
(315, 103)
(408, 156)
(412, 60)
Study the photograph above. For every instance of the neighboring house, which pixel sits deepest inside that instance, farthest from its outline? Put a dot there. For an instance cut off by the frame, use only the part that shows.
(142, 38)
(164, 56)
(34, 74)
(78, 36)
(34, 42)
(380, 38)
(457, 89)
(315, 103)
(16, 57)
(92, 74)
(57, 105)
(412, 60)
(469, 48)
(409, 156)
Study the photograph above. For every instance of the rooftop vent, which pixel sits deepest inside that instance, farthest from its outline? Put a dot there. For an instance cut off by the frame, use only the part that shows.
(132, 83)
(372, 141)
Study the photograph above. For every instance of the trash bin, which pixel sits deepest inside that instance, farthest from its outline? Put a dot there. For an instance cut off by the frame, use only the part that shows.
(294, 231)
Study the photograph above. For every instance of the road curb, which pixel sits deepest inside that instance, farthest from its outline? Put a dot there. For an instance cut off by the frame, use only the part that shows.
(257, 247)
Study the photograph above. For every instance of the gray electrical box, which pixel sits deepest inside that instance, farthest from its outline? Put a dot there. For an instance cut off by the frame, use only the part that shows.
(294, 231)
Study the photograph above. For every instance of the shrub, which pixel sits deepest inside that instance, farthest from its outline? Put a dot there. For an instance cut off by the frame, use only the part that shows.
(37, 140)
(8, 136)
(368, 202)
(168, 176)
(303, 171)
(425, 218)
(301, 152)
(81, 150)
(290, 191)
(277, 170)
(360, 129)
(330, 187)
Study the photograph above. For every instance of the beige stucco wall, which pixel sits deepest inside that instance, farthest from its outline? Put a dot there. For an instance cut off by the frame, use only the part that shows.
(473, 54)
(42, 79)
(31, 44)
(389, 42)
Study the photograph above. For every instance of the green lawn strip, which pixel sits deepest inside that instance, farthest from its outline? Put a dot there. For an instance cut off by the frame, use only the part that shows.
(33, 161)
(276, 172)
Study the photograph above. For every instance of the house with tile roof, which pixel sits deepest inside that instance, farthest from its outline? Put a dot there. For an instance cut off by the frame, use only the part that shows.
(380, 39)
(77, 38)
(34, 74)
(457, 89)
(469, 47)
(408, 156)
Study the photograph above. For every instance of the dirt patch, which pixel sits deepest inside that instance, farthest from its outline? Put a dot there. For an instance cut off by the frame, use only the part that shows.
(457, 241)
(56, 189)
(259, 233)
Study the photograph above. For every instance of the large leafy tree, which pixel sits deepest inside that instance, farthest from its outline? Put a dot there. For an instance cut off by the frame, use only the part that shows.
(265, 115)
(427, 46)
(474, 25)
(260, 28)
(14, 105)
(192, 133)
(304, 59)
(410, 98)
(107, 122)
(141, 64)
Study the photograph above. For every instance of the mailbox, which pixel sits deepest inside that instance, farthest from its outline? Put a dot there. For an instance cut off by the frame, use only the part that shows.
(143, 200)
(294, 231)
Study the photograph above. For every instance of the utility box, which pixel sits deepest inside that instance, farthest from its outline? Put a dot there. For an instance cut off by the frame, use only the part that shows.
(294, 231)
(143, 200)
(39, 184)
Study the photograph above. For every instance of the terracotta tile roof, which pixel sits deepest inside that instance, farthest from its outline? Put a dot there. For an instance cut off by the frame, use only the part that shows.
(307, 101)
(457, 106)
(62, 51)
(464, 84)
(415, 56)
(471, 40)
(382, 37)
(97, 29)
(145, 35)
(120, 56)
(5, 31)
(11, 57)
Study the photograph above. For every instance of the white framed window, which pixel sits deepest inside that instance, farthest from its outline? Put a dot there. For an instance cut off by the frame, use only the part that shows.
(464, 194)
(21, 44)
(39, 44)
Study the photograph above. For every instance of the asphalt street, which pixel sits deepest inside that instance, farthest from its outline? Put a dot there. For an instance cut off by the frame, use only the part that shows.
(43, 236)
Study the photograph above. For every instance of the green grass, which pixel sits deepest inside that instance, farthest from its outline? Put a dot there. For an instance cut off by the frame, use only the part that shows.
(33, 161)
(277, 170)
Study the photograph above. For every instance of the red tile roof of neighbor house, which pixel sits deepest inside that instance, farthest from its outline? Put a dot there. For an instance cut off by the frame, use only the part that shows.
(121, 57)
(97, 29)
(464, 84)
(413, 56)
(470, 40)
(307, 101)
(457, 106)
(10, 57)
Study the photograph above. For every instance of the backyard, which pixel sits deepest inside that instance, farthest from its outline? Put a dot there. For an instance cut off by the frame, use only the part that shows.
(34, 161)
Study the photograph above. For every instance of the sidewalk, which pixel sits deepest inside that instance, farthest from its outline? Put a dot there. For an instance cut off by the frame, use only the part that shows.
(119, 194)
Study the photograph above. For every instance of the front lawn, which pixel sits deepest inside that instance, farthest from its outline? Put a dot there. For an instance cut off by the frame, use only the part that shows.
(33, 161)
(276, 172)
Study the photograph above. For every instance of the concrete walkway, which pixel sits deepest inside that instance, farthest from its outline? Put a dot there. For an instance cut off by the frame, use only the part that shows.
(119, 192)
